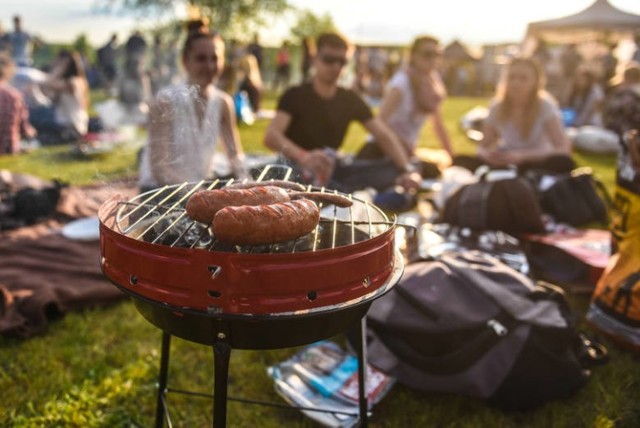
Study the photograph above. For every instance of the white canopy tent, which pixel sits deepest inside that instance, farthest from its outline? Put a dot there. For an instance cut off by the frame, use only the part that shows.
(598, 22)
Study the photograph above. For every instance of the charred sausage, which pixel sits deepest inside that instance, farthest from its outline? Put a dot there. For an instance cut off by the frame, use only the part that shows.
(265, 224)
(298, 191)
(203, 205)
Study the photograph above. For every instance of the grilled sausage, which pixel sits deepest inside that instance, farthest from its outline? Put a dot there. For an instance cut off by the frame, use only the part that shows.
(291, 185)
(203, 205)
(265, 224)
(324, 197)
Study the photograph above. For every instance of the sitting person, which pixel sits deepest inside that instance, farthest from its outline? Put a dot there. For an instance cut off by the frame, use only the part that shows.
(621, 114)
(585, 98)
(524, 127)
(186, 121)
(134, 85)
(414, 94)
(312, 120)
(14, 115)
(251, 81)
(68, 89)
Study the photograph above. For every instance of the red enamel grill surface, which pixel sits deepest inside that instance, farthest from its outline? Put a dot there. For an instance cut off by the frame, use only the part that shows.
(151, 249)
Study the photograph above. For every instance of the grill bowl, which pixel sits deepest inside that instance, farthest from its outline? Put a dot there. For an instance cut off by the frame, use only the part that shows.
(243, 281)
(269, 331)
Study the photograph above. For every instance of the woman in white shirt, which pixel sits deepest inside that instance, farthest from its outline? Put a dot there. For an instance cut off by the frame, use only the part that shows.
(187, 120)
(68, 88)
(524, 127)
(414, 94)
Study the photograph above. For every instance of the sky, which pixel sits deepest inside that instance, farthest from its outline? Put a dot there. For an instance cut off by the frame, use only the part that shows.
(365, 21)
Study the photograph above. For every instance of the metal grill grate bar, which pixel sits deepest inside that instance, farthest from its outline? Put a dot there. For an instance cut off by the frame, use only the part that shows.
(165, 222)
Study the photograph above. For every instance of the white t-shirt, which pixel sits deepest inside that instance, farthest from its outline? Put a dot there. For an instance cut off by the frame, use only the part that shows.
(69, 110)
(406, 121)
(509, 135)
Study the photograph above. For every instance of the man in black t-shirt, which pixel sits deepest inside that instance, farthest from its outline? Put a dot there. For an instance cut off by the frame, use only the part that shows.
(317, 122)
(312, 120)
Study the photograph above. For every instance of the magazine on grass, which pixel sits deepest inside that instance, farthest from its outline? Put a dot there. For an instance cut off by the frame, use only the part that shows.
(328, 411)
(324, 376)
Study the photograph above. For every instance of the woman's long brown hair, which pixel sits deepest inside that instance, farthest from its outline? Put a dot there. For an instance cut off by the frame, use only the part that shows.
(532, 103)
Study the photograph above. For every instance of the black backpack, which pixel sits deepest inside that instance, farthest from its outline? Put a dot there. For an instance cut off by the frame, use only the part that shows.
(29, 205)
(577, 198)
(469, 324)
(510, 205)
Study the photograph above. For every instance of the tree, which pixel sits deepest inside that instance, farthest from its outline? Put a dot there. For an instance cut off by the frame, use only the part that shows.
(223, 15)
(82, 45)
(311, 25)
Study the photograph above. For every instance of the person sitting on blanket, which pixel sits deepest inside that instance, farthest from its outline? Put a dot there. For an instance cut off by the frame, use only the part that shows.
(14, 114)
(524, 127)
(67, 86)
(414, 94)
(312, 120)
(585, 97)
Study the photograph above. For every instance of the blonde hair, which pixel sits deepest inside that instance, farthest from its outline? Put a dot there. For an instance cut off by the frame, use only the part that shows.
(249, 66)
(532, 103)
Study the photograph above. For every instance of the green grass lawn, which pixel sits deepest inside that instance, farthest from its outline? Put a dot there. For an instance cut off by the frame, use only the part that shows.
(98, 368)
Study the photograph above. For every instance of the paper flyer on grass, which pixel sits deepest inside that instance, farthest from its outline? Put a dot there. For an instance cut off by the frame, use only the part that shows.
(323, 376)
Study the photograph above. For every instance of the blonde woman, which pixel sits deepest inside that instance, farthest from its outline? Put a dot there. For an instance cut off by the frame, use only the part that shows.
(251, 80)
(67, 86)
(524, 127)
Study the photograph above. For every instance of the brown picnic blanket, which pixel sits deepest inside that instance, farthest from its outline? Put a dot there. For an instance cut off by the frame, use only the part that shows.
(43, 274)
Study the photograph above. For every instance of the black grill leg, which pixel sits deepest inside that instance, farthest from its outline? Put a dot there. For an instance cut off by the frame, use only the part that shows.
(162, 379)
(221, 355)
(361, 350)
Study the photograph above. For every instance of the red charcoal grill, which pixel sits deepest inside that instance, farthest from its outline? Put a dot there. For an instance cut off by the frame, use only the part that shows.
(246, 297)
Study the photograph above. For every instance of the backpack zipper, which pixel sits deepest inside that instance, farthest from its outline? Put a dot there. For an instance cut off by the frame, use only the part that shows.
(497, 327)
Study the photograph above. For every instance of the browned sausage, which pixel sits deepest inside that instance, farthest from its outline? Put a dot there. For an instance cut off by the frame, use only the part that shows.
(265, 224)
(291, 185)
(202, 206)
(324, 197)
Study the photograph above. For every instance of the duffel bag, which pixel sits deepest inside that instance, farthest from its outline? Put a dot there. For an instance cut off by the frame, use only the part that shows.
(471, 325)
(510, 205)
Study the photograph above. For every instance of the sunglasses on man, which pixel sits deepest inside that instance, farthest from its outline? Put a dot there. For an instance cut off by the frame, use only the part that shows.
(331, 60)
(430, 54)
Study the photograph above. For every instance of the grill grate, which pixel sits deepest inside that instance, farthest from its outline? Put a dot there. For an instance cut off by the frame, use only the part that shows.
(159, 217)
